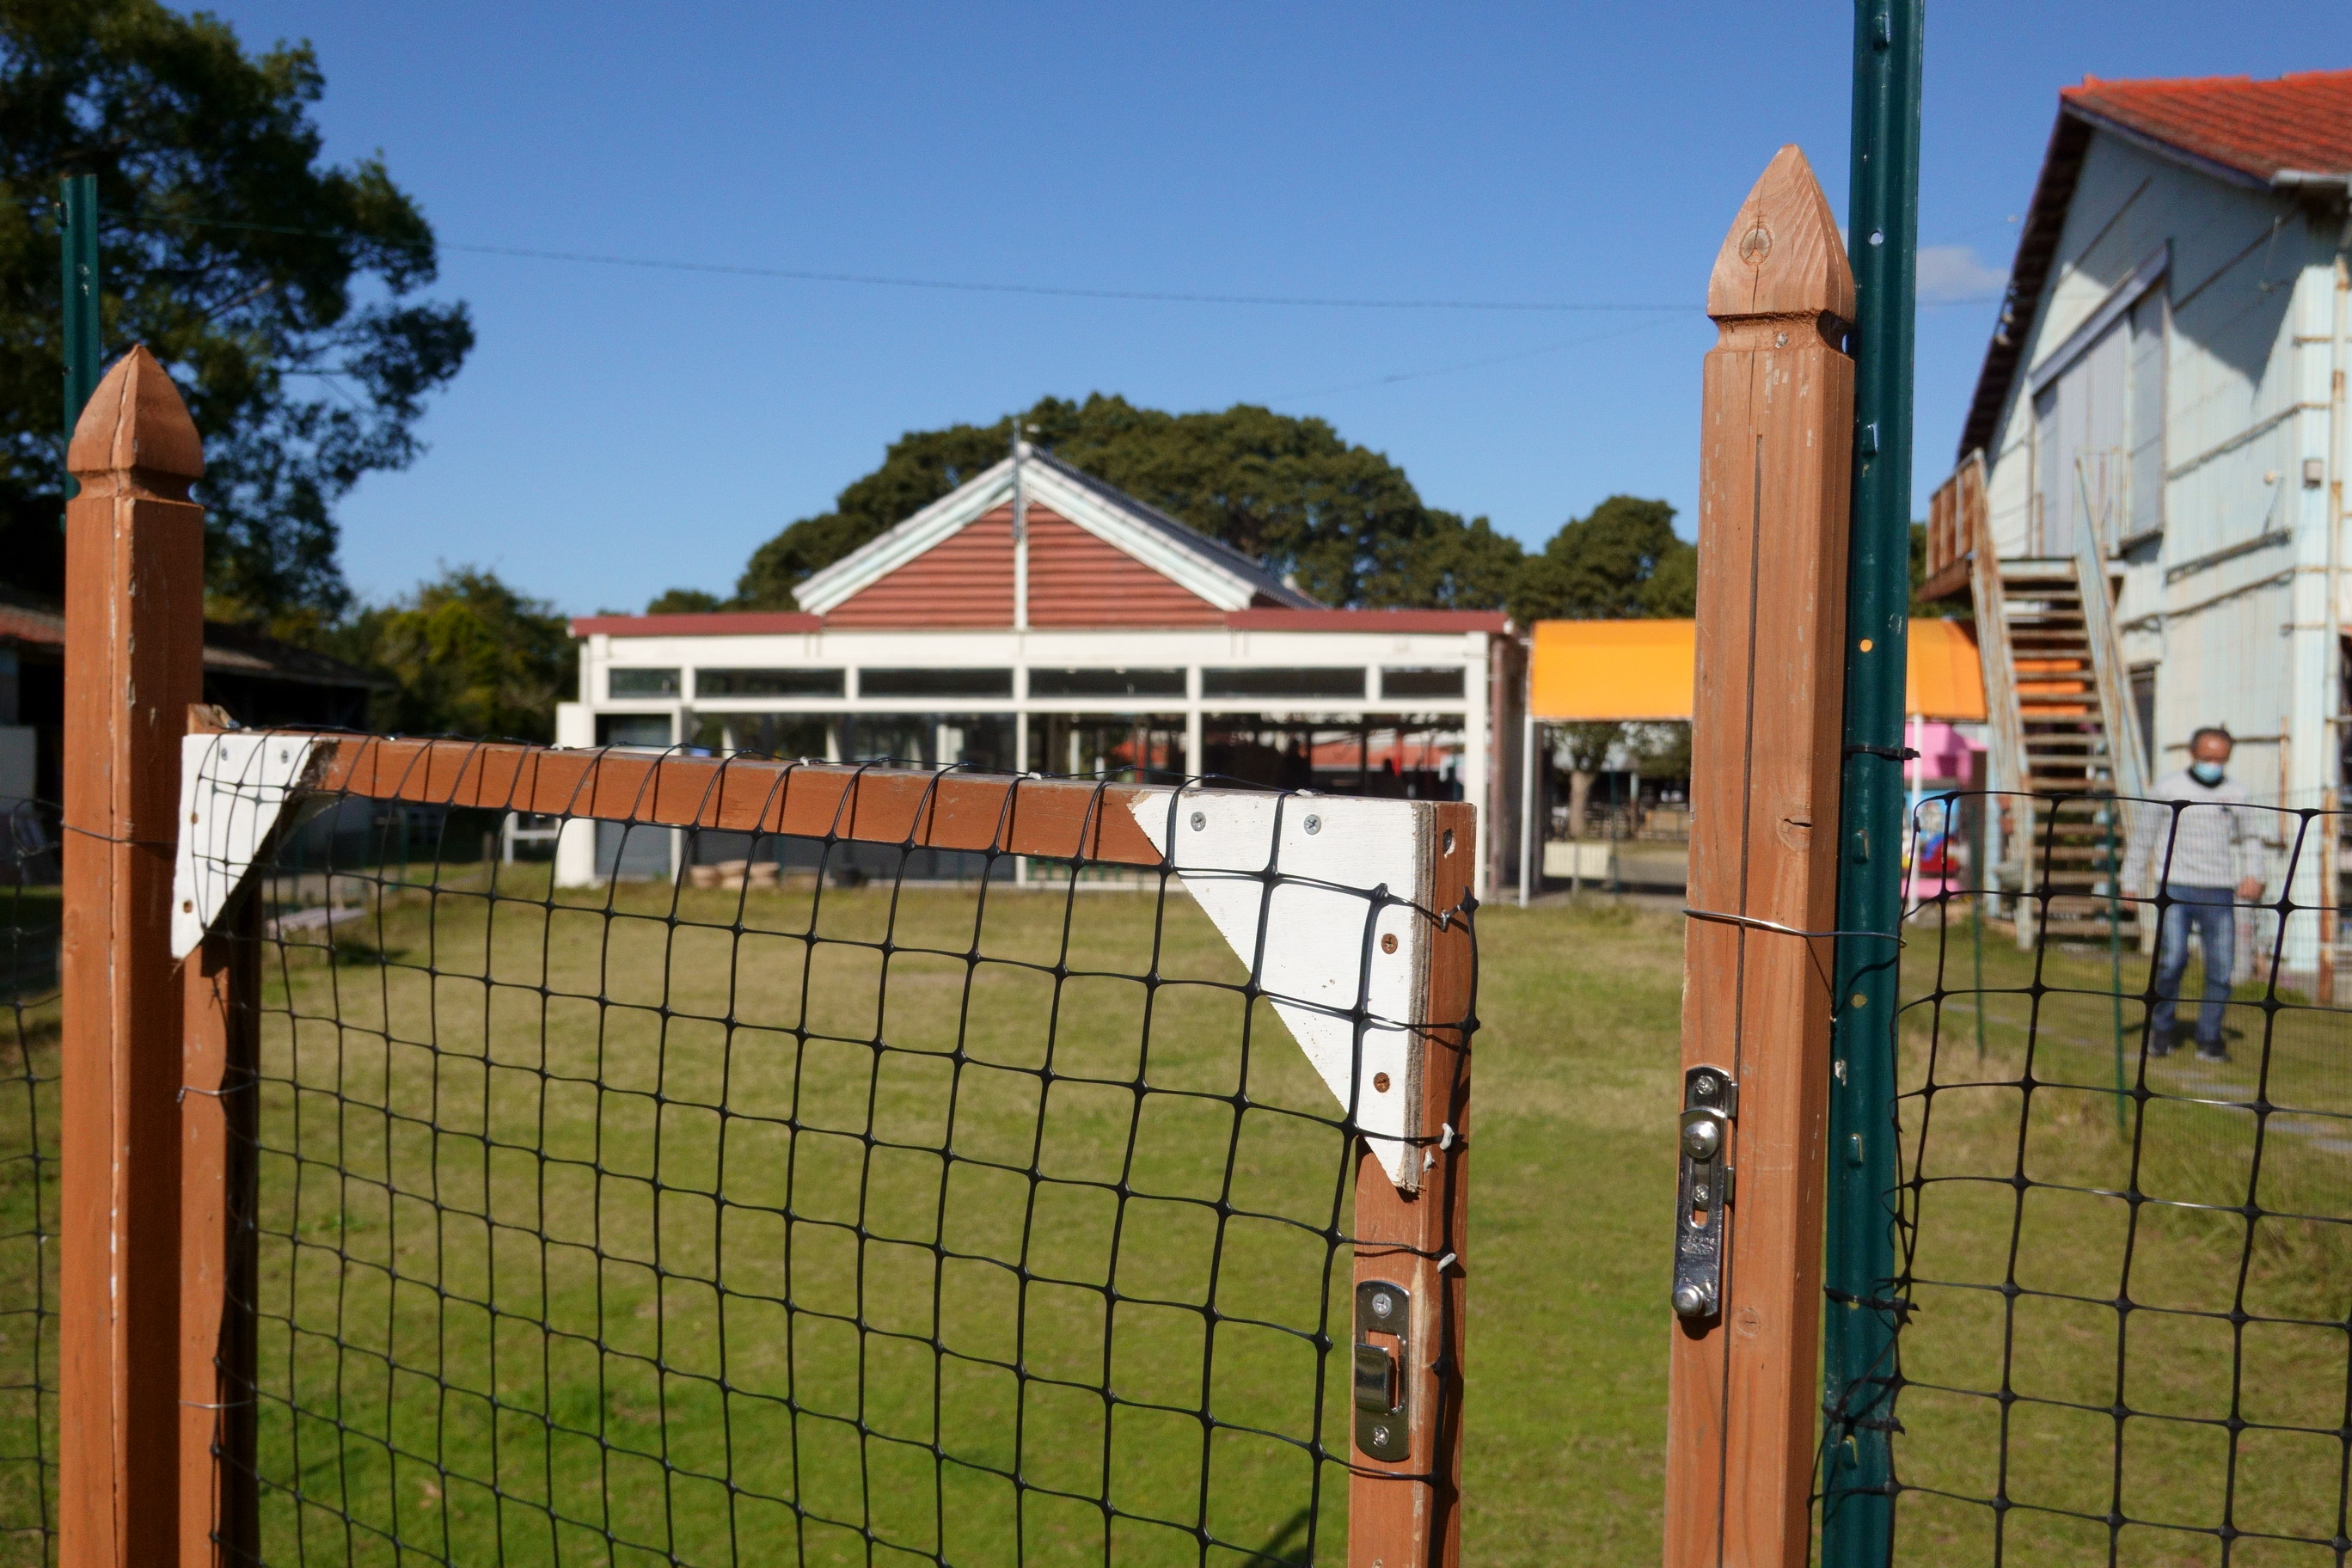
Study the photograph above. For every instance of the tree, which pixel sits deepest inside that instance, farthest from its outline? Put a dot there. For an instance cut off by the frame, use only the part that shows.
(275, 287)
(472, 656)
(682, 602)
(1586, 749)
(1341, 520)
(1620, 560)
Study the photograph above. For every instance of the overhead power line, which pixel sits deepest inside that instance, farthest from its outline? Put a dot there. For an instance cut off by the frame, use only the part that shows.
(890, 280)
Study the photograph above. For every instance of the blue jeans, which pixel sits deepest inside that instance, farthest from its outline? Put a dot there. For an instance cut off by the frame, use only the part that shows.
(2213, 914)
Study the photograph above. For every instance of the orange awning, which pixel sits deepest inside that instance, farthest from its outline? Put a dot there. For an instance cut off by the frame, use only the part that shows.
(1946, 680)
(1600, 671)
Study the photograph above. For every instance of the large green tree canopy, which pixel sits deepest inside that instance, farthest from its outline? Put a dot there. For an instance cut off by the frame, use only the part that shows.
(276, 288)
(1619, 559)
(1341, 520)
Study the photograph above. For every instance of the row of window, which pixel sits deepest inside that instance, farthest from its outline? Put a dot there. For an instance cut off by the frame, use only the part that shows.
(1346, 681)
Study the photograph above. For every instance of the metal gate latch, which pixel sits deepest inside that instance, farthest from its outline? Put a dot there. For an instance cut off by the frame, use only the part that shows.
(1383, 1429)
(1710, 1102)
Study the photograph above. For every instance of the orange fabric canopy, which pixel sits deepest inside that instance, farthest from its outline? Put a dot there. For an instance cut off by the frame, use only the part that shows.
(1600, 671)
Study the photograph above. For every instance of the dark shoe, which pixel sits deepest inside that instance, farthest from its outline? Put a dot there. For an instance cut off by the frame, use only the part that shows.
(2160, 1043)
(2216, 1052)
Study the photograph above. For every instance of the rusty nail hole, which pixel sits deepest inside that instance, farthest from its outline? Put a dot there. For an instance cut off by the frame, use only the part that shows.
(1380, 1082)
(187, 906)
(1388, 942)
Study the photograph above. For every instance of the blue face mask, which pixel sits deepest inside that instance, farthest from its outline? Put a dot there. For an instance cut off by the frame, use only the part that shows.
(2206, 774)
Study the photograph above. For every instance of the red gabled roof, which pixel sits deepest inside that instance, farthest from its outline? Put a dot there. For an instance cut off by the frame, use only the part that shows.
(2301, 123)
(717, 624)
(1270, 620)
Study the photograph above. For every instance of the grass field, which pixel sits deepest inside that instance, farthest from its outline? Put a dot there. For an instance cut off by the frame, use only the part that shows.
(551, 1278)
(565, 1333)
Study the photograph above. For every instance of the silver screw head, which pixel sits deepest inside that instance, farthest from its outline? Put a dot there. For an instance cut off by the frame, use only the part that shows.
(1313, 824)
(1200, 820)
(1690, 1301)
(1381, 1436)
(1383, 1306)
(1702, 1139)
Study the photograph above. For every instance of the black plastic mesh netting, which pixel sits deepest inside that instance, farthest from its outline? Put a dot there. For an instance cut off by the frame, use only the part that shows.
(778, 1200)
(2125, 1230)
(28, 1180)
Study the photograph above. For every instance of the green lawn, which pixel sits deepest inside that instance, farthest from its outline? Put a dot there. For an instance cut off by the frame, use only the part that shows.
(2160, 1280)
(643, 1317)
(548, 1279)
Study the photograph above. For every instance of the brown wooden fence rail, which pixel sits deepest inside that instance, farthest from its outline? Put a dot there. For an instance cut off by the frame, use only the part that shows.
(157, 1438)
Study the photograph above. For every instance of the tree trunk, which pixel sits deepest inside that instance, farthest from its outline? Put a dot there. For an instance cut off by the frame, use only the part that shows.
(1580, 795)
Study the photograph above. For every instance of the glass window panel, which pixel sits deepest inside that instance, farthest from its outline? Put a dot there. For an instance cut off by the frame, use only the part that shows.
(1341, 680)
(1106, 683)
(641, 683)
(767, 683)
(1445, 682)
(934, 683)
(633, 729)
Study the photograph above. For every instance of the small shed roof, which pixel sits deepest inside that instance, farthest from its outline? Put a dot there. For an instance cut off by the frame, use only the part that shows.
(1646, 672)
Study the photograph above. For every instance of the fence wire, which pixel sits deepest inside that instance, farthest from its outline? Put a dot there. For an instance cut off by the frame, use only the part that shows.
(2126, 1207)
(779, 1200)
(28, 1179)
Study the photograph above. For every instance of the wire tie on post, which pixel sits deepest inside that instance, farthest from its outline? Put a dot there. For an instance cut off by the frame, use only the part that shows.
(1892, 753)
(1751, 921)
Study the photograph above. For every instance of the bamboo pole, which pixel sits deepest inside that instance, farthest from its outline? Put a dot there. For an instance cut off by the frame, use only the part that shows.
(135, 652)
(1777, 412)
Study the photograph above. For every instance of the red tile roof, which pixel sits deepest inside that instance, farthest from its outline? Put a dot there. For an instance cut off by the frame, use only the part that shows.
(1402, 621)
(720, 623)
(2301, 123)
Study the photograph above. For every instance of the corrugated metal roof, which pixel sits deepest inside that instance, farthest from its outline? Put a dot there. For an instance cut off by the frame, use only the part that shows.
(2261, 134)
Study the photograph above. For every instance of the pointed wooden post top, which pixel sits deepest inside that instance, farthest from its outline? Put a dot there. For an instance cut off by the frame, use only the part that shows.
(134, 426)
(1783, 256)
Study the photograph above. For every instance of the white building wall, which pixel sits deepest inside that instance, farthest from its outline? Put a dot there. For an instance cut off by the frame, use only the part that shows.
(1191, 649)
(2230, 603)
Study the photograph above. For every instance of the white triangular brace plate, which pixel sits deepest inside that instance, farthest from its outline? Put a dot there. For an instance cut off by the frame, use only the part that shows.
(1322, 965)
(233, 789)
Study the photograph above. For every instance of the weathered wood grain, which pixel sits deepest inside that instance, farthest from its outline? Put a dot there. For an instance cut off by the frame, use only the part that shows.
(1409, 1514)
(1776, 423)
(134, 649)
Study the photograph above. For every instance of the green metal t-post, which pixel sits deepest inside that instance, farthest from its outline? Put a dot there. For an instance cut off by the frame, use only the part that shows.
(1858, 1504)
(83, 334)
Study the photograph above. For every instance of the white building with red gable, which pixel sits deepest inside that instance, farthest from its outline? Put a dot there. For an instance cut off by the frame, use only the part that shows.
(1039, 620)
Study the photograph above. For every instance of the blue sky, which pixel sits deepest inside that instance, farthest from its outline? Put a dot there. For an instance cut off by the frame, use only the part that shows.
(620, 430)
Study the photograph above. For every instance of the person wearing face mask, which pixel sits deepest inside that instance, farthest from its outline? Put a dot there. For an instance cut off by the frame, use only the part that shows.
(2203, 851)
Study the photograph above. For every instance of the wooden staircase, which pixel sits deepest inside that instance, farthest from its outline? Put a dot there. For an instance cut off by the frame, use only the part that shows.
(2061, 746)
(2059, 714)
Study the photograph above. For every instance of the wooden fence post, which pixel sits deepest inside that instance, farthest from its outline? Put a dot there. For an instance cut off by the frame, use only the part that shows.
(1777, 427)
(1404, 1508)
(134, 664)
